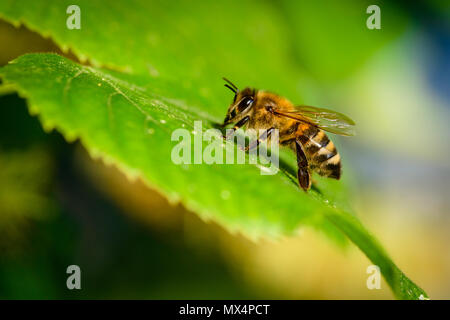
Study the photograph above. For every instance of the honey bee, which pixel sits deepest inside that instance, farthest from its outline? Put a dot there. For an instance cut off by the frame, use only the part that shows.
(300, 128)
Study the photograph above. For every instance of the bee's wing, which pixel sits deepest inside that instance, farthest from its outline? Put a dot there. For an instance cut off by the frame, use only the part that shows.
(325, 119)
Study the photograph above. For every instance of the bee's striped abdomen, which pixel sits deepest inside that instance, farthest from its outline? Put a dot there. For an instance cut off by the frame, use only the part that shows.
(321, 152)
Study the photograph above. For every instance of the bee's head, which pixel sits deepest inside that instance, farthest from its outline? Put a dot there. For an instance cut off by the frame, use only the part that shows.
(241, 105)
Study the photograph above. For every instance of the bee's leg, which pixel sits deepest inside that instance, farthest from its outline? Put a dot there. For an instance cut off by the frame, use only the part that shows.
(303, 175)
(266, 134)
(238, 125)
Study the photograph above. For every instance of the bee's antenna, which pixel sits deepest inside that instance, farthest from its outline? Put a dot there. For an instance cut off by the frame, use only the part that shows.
(231, 83)
(232, 89)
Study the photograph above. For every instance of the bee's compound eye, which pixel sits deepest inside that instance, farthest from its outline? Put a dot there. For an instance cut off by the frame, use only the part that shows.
(245, 103)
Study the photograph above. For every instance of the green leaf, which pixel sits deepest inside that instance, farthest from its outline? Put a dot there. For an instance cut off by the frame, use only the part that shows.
(158, 39)
(130, 126)
(331, 37)
(167, 75)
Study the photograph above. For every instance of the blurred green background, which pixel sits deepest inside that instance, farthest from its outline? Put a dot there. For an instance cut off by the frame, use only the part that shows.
(59, 207)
